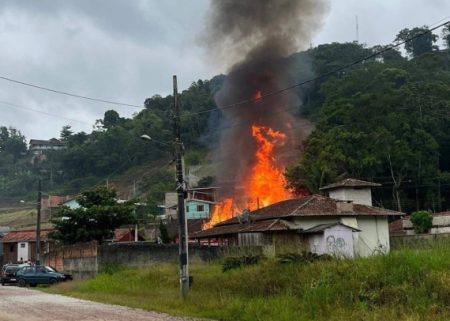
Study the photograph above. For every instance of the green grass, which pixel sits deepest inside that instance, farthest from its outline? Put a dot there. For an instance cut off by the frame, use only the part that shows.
(405, 285)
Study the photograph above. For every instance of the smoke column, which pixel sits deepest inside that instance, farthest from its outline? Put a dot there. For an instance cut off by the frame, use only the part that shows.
(252, 37)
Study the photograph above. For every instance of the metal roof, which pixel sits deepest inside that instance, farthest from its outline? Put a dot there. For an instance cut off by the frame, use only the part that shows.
(25, 236)
(350, 182)
(249, 227)
(322, 227)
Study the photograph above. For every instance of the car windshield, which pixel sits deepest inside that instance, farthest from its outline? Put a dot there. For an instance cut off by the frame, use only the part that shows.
(11, 269)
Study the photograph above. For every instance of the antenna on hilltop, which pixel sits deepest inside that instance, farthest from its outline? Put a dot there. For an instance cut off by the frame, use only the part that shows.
(357, 29)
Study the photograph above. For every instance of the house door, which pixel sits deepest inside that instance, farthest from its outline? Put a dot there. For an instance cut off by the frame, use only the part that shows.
(23, 251)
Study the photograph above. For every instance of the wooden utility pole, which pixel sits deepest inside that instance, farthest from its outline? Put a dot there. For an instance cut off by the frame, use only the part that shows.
(38, 224)
(181, 192)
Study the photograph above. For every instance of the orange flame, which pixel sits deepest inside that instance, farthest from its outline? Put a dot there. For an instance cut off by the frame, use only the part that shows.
(258, 95)
(265, 184)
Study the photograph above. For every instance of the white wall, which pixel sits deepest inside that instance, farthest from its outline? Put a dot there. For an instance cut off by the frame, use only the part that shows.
(374, 235)
(373, 238)
(359, 196)
(339, 241)
(23, 251)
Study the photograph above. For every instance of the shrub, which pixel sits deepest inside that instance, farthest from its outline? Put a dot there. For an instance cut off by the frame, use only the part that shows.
(234, 262)
(304, 257)
(422, 221)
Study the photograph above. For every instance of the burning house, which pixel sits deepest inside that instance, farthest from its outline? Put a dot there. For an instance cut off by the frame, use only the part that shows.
(259, 134)
(344, 223)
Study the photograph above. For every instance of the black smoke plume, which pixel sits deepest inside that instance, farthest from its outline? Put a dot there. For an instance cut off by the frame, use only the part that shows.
(254, 37)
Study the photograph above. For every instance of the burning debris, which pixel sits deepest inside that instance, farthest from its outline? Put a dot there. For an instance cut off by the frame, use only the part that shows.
(257, 136)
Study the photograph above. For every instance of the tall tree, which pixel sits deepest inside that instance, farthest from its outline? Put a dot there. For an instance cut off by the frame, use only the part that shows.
(423, 43)
(97, 217)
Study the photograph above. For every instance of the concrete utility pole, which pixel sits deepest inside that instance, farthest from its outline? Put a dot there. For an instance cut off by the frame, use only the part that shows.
(38, 224)
(181, 192)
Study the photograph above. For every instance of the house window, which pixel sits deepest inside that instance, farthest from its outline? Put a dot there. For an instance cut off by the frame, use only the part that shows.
(200, 208)
(22, 245)
(187, 209)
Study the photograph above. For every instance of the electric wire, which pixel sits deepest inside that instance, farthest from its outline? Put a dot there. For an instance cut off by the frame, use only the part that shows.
(68, 93)
(42, 112)
(324, 75)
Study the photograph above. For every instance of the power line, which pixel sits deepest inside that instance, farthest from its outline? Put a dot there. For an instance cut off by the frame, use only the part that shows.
(42, 112)
(69, 94)
(283, 90)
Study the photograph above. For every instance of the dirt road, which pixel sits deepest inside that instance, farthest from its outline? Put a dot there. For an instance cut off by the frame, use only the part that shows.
(23, 304)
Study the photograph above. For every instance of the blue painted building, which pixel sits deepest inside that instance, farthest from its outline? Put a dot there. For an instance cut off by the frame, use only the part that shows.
(198, 209)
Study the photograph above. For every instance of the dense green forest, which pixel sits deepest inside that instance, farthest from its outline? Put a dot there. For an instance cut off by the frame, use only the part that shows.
(386, 119)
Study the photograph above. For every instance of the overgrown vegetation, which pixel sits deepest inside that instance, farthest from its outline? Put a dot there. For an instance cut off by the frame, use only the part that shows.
(304, 257)
(404, 285)
(235, 262)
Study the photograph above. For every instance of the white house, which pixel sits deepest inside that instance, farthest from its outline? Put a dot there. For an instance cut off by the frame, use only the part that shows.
(344, 223)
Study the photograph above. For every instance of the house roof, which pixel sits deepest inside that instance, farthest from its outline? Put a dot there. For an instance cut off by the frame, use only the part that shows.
(198, 201)
(313, 205)
(52, 141)
(349, 182)
(25, 236)
(120, 233)
(322, 227)
(275, 217)
(249, 227)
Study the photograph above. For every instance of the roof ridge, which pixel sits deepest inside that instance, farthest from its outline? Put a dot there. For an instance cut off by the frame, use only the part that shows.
(302, 205)
(274, 222)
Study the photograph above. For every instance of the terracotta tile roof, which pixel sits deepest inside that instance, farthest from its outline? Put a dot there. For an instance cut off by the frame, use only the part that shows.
(249, 227)
(122, 234)
(350, 182)
(25, 236)
(314, 205)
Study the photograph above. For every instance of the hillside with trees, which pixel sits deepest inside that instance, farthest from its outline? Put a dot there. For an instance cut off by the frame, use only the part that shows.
(385, 120)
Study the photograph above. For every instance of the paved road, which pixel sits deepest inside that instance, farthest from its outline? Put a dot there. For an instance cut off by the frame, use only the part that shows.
(24, 304)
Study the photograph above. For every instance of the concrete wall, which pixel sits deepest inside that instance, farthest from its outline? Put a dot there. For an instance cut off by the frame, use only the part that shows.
(81, 268)
(441, 224)
(358, 196)
(374, 236)
(86, 260)
(143, 254)
(421, 241)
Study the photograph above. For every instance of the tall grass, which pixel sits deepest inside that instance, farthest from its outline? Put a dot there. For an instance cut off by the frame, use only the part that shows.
(404, 285)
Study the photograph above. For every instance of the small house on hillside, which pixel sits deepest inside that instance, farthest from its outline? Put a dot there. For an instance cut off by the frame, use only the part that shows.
(39, 147)
(344, 223)
(199, 203)
(21, 245)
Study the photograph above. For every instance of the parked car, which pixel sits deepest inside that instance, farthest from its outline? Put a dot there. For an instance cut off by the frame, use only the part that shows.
(67, 276)
(34, 275)
(8, 273)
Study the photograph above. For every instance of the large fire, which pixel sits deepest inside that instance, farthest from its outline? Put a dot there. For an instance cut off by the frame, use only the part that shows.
(265, 183)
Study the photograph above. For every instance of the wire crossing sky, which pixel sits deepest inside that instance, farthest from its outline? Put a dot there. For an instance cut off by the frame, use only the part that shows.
(124, 52)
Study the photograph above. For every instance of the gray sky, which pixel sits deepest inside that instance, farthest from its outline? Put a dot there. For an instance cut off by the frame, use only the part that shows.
(127, 51)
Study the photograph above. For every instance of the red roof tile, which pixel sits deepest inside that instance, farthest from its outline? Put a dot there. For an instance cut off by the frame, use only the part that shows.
(25, 236)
